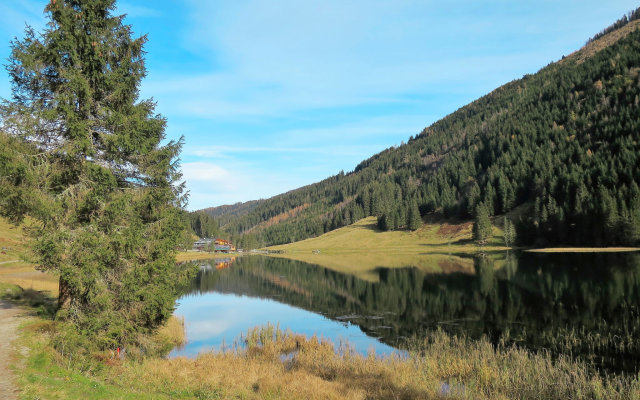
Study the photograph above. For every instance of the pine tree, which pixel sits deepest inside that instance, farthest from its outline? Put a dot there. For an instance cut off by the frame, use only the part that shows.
(383, 222)
(482, 225)
(509, 232)
(414, 220)
(92, 173)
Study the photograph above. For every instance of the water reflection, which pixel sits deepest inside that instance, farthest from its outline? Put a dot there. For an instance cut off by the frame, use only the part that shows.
(583, 305)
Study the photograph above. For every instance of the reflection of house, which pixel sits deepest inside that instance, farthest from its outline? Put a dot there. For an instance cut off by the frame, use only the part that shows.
(224, 262)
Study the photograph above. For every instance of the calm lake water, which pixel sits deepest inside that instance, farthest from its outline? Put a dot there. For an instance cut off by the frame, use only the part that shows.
(583, 305)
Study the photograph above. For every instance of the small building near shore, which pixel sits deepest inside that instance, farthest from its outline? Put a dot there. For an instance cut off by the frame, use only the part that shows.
(224, 246)
(216, 245)
(202, 244)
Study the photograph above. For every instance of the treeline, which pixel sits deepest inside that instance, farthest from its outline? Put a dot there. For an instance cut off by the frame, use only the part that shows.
(201, 224)
(562, 145)
(631, 16)
(224, 214)
(204, 225)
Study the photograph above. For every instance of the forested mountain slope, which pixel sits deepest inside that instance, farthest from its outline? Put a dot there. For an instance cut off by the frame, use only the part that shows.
(564, 142)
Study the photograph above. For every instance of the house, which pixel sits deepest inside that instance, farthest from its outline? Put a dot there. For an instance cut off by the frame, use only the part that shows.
(202, 245)
(224, 246)
(217, 245)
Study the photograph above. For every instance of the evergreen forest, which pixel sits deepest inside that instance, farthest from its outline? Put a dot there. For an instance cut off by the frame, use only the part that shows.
(558, 151)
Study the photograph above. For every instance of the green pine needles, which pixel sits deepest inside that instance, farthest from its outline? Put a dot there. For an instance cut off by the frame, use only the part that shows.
(83, 158)
(482, 225)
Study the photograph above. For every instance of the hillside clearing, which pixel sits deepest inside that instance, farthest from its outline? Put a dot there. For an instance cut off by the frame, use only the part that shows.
(361, 247)
(364, 236)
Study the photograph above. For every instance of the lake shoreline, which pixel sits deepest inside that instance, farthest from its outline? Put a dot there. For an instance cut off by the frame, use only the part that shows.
(583, 250)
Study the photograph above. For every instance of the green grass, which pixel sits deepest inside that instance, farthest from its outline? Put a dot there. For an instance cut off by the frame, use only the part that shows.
(364, 236)
(360, 248)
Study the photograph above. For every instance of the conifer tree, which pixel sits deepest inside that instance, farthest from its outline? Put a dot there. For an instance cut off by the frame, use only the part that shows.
(509, 232)
(482, 225)
(88, 166)
(414, 221)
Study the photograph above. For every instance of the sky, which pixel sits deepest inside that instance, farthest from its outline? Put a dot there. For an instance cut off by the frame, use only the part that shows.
(271, 95)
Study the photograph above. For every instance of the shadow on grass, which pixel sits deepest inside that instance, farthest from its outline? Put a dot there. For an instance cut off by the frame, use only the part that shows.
(367, 227)
(40, 303)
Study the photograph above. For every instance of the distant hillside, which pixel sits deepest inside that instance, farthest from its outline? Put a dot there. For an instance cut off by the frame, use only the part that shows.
(563, 144)
(224, 214)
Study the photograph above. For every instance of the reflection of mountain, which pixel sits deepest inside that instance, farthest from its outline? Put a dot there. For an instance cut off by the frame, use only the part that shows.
(579, 304)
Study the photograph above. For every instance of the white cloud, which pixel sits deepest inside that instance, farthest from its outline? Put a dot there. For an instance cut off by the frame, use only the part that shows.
(210, 184)
(205, 171)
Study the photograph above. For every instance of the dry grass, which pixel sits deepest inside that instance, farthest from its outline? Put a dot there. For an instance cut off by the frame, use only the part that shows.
(173, 331)
(12, 242)
(590, 49)
(278, 365)
(13, 270)
(25, 276)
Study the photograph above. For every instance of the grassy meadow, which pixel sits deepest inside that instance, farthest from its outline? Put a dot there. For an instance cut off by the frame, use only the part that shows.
(361, 247)
(364, 236)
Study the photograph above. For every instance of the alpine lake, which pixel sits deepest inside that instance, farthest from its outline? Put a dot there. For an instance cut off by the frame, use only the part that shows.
(585, 305)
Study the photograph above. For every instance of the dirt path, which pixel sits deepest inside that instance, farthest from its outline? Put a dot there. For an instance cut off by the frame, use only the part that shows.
(9, 321)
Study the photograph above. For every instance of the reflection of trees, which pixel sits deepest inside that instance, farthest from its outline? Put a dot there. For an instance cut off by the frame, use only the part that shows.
(579, 304)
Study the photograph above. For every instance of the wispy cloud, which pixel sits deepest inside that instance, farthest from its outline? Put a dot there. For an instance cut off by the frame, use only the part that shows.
(15, 14)
(136, 10)
(273, 59)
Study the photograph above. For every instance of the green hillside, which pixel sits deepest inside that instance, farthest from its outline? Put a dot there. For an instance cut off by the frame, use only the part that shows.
(562, 143)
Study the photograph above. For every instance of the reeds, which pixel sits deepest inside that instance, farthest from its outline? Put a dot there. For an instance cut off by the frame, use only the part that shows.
(270, 363)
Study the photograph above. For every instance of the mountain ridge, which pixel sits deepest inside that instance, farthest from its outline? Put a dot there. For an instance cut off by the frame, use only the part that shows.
(531, 140)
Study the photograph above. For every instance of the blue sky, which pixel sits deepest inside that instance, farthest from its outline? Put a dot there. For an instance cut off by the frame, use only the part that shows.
(272, 95)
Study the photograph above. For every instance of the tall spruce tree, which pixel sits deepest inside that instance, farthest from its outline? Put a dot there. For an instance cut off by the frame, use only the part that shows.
(414, 220)
(509, 232)
(481, 225)
(84, 160)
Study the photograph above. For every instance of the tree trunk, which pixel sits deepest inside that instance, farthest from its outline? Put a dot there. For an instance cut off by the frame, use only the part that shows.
(64, 295)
